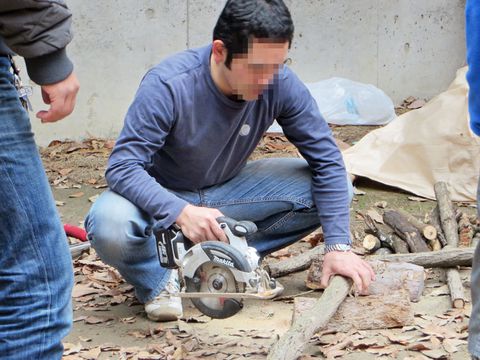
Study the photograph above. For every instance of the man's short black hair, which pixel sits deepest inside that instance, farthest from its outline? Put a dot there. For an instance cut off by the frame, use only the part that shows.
(242, 20)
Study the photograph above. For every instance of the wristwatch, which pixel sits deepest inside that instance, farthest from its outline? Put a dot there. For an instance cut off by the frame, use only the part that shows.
(337, 247)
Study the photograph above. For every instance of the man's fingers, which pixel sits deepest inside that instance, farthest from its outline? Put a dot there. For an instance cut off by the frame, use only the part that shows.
(58, 110)
(357, 280)
(370, 270)
(326, 274)
(219, 233)
(45, 97)
(366, 280)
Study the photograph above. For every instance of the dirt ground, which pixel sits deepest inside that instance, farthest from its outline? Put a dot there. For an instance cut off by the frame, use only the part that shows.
(110, 324)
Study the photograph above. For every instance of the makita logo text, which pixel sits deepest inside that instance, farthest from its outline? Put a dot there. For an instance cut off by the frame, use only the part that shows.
(223, 261)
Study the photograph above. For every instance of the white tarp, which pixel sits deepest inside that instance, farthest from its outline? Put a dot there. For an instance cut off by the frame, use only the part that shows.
(424, 146)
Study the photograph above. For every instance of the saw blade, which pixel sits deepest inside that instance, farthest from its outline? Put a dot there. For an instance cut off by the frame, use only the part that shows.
(213, 278)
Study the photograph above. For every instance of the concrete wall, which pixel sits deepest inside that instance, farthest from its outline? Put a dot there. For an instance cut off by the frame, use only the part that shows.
(405, 47)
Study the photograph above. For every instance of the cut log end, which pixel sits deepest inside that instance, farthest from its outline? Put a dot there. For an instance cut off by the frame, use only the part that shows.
(429, 232)
(458, 304)
(371, 243)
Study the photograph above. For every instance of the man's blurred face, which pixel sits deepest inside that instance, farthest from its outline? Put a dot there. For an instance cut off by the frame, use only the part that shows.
(251, 73)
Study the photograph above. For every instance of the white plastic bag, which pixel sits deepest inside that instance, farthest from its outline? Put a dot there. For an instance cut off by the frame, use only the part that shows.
(345, 102)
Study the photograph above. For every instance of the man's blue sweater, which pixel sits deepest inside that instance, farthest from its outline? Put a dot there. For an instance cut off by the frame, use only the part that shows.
(182, 133)
(473, 60)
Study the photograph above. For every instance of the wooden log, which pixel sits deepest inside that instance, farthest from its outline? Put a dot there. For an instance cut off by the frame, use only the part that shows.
(447, 214)
(450, 229)
(457, 292)
(441, 259)
(405, 230)
(290, 346)
(295, 263)
(465, 230)
(364, 312)
(436, 245)
(371, 243)
(374, 229)
(383, 251)
(428, 231)
(433, 259)
(389, 277)
(399, 245)
(434, 219)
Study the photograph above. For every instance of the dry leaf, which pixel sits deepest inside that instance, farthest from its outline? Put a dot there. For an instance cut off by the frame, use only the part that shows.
(375, 216)
(80, 290)
(76, 146)
(91, 354)
(417, 104)
(451, 345)
(139, 334)
(76, 195)
(59, 203)
(128, 320)
(382, 350)
(109, 347)
(93, 320)
(399, 339)
(70, 349)
(419, 346)
(65, 172)
(435, 354)
(102, 186)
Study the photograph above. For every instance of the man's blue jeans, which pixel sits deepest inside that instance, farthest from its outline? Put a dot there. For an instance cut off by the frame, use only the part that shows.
(36, 274)
(274, 193)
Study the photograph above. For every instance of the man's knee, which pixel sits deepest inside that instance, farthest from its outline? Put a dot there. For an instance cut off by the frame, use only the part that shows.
(113, 223)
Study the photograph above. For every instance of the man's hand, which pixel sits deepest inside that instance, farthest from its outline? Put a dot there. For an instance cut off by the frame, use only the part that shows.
(61, 98)
(350, 265)
(200, 224)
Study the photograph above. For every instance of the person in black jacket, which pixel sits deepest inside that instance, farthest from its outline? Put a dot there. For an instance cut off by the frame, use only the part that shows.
(36, 274)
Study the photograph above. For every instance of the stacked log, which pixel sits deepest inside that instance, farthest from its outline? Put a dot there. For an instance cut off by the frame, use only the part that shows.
(449, 225)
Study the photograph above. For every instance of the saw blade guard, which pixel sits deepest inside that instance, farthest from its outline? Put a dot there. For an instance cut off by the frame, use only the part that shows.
(215, 267)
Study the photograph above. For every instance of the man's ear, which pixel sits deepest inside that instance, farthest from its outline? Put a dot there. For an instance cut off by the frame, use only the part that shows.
(219, 51)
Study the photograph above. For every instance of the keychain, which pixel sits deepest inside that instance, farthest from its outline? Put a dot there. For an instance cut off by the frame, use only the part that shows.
(24, 92)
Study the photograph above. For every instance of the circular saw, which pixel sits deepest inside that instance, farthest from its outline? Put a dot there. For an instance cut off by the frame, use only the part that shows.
(217, 276)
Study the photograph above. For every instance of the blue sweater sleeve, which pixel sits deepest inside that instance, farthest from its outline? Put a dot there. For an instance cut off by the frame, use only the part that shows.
(305, 127)
(473, 60)
(147, 123)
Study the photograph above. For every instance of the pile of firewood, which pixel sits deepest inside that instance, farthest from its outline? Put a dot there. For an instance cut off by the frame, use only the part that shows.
(444, 240)
(404, 233)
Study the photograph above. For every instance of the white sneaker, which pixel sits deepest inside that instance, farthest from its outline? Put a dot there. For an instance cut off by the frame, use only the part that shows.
(166, 307)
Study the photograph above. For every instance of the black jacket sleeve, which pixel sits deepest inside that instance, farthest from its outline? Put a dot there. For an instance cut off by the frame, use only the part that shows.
(39, 31)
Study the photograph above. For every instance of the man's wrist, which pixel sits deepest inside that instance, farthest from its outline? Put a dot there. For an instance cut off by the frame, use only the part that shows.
(337, 247)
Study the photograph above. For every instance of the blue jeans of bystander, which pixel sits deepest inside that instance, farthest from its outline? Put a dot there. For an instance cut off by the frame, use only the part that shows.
(36, 274)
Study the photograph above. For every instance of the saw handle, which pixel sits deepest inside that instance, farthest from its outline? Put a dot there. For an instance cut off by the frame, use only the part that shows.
(238, 228)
